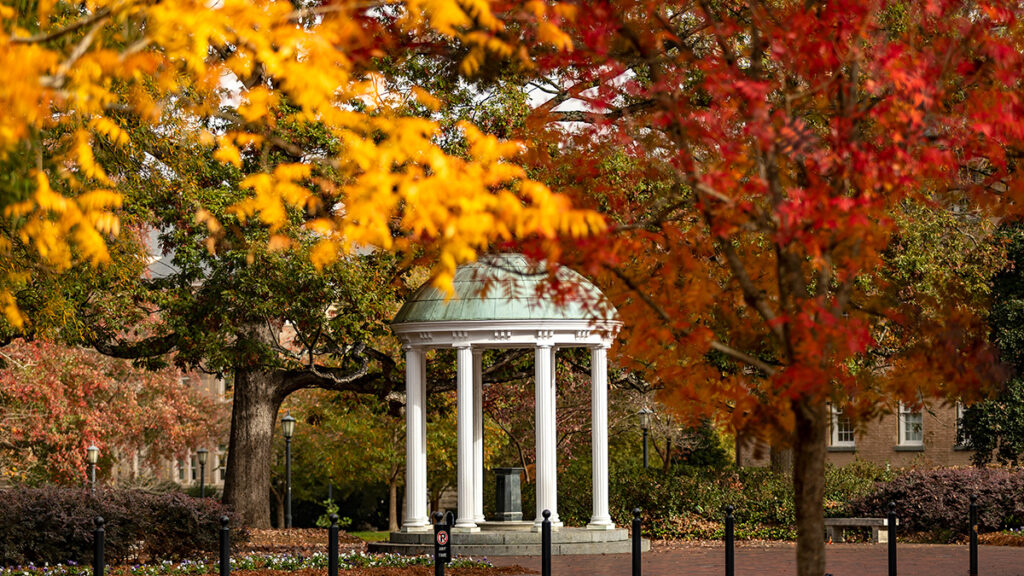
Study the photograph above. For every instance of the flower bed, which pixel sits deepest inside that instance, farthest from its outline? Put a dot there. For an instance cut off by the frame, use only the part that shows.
(354, 563)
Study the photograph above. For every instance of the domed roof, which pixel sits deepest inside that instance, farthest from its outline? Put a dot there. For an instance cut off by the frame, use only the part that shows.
(505, 287)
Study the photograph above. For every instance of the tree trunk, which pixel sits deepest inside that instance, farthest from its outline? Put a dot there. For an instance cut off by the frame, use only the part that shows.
(809, 487)
(393, 505)
(253, 415)
(279, 500)
(781, 460)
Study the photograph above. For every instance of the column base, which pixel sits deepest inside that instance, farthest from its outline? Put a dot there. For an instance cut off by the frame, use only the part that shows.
(537, 527)
(601, 525)
(465, 529)
(407, 528)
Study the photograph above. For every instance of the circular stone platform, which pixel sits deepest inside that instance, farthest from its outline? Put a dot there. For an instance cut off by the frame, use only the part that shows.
(513, 539)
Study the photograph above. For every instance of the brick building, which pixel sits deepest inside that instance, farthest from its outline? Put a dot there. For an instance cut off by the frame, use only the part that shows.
(185, 469)
(926, 437)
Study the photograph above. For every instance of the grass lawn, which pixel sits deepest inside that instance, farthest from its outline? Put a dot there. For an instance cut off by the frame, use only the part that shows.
(369, 536)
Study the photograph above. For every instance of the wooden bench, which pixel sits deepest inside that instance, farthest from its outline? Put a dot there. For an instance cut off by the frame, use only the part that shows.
(834, 528)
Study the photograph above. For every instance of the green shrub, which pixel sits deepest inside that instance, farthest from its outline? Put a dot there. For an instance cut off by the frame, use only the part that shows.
(53, 524)
(689, 501)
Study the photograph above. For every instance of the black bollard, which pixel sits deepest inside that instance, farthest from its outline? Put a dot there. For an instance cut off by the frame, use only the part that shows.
(225, 547)
(973, 519)
(545, 544)
(442, 547)
(636, 542)
(98, 536)
(892, 538)
(730, 564)
(332, 547)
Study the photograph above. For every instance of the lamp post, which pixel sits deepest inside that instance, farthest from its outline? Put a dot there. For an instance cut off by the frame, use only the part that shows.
(201, 455)
(645, 423)
(92, 454)
(288, 428)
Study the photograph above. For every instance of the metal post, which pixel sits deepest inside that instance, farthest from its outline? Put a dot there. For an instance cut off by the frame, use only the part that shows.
(645, 448)
(288, 482)
(973, 514)
(332, 547)
(92, 479)
(225, 547)
(98, 536)
(636, 536)
(330, 491)
(545, 544)
(202, 479)
(438, 562)
(730, 564)
(892, 538)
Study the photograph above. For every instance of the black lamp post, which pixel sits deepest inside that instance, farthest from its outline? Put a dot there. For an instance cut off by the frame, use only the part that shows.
(288, 428)
(92, 454)
(201, 455)
(645, 423)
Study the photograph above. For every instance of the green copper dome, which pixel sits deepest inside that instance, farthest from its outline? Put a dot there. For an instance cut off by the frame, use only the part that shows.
(505, 287)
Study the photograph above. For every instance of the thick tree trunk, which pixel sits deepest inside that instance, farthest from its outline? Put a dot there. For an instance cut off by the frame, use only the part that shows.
(257, 398)
(781, 460)
(809, 487)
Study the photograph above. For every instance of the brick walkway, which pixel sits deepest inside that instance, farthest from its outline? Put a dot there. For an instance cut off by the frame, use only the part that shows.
(751, 560)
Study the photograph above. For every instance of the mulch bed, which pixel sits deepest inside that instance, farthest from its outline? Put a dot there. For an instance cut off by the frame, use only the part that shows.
(1001, 539)
(303, 541)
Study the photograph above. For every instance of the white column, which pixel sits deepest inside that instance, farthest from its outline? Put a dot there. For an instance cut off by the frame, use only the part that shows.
(423, 440)
(478, 435)
(464, 437)
(415, 443)
(600, 520)
(547, 485)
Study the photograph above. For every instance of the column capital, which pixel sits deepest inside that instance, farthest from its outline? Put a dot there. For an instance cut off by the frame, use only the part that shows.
(601, 346)
(544, 345)
(462, 345)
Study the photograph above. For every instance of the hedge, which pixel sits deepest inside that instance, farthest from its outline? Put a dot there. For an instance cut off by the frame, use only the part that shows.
(934, 503)
(54, 524)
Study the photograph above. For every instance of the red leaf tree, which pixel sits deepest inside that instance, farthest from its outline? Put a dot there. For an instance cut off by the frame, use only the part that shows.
(757, 159)
(57, 400)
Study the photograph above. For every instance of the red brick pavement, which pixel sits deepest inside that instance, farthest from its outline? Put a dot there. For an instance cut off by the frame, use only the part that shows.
(772, 559)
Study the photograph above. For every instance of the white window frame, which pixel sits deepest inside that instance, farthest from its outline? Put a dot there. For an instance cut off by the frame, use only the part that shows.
(958, 424)
(835, 442)
(902, 439)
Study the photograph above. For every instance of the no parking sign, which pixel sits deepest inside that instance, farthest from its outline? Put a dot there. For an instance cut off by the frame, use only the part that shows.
(442, 544)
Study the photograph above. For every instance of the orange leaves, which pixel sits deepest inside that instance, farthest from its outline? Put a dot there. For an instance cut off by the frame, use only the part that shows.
(227, 69)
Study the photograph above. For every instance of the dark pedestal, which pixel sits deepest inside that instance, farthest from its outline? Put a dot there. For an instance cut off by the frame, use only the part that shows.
(508, 504)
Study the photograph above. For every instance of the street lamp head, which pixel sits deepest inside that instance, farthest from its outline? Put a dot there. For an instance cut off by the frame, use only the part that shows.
(201, 455)
(92, 453)
(288, 425)
(645, 417)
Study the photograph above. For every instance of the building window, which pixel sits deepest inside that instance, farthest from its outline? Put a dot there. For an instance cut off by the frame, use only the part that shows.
(959, 441)
(911, 426)
(222, 462)
(842, 429)
(181, 470)
(194, 467)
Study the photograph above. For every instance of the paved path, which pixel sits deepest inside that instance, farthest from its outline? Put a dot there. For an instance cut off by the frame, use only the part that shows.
(780, 559)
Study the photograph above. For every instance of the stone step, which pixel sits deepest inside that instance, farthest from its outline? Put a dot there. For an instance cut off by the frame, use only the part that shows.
(517, 537)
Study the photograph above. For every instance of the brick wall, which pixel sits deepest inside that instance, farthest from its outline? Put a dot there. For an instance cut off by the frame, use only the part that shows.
(876, 442)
